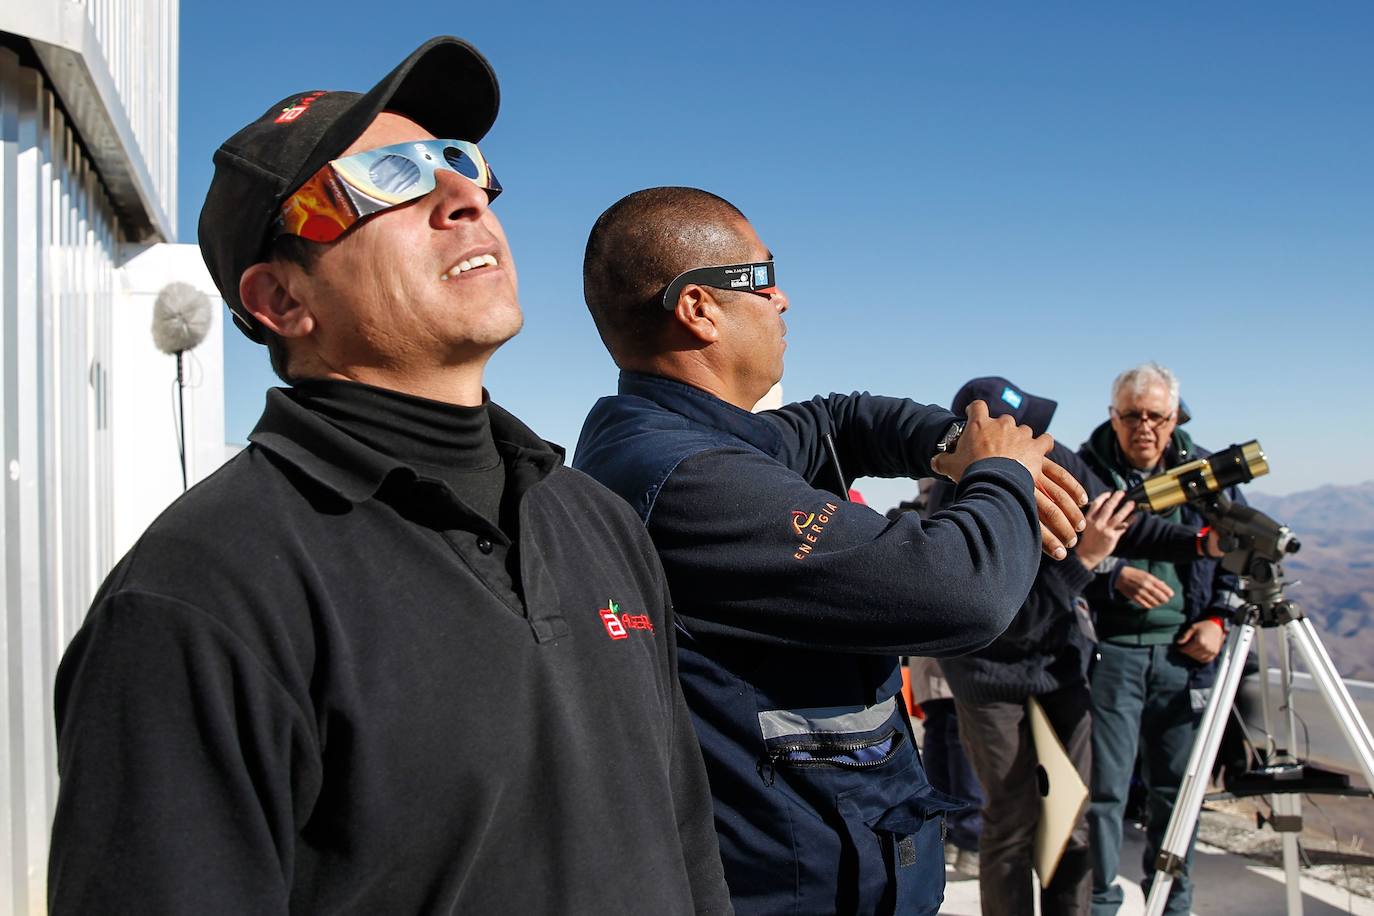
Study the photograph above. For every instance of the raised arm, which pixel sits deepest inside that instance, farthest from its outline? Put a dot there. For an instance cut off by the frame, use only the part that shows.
(755, 552)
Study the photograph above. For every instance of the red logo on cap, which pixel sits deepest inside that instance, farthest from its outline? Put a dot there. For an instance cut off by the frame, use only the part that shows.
(295, 111)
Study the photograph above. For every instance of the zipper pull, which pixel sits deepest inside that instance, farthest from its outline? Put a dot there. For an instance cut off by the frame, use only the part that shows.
(768, 769)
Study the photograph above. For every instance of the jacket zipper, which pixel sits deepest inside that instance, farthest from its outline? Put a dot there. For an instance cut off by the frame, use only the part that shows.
(769, 765)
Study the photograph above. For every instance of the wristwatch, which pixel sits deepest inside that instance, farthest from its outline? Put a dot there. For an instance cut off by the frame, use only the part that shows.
(950, 439)
(947, 444)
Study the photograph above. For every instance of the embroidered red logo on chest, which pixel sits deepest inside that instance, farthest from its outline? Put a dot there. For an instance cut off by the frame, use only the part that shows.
(619, 624)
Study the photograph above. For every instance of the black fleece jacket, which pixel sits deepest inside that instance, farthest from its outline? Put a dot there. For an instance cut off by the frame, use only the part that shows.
(322, 682)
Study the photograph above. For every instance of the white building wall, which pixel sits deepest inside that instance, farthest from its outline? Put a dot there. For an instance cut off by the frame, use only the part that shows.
(113, 65)
(87, 180)
(58, 244)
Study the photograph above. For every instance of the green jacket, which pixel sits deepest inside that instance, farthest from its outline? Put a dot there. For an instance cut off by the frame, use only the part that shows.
(1119, 620)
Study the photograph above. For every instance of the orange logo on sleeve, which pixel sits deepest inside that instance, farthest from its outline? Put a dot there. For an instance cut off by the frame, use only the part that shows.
(809, 526)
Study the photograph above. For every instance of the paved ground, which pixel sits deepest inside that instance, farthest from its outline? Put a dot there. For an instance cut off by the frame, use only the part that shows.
(1227, 884)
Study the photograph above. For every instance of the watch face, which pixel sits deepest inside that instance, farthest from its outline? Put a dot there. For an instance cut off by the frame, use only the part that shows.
(950, 437)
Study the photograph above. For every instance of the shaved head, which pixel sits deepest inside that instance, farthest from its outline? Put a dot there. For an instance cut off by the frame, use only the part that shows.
(639, 245)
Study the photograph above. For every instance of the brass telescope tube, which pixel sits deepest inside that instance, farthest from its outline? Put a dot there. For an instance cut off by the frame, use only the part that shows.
(1237, 464)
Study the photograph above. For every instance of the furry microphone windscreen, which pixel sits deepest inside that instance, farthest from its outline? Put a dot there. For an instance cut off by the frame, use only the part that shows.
(181, 317)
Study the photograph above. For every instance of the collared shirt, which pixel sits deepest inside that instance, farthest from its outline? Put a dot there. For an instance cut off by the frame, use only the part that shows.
(320, 683)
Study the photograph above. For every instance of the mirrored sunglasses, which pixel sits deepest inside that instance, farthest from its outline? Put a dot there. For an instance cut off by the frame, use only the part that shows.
(355, 187)
(758, 277)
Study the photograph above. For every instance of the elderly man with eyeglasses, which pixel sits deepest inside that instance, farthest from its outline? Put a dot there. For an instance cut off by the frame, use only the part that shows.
(1160, 627)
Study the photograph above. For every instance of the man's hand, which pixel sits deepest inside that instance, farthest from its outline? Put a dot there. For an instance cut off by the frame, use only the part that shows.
(1202, 641)
(1107, 517)
(1057, 495)
(1214, 548)
(1144, 589)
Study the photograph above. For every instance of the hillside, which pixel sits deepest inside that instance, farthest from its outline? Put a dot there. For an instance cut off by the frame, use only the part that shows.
(1332, 577)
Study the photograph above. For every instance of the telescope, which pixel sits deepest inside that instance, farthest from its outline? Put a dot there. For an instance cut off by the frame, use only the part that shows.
(1194, 480)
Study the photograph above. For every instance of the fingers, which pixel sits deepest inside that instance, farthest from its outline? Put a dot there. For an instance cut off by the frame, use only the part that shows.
(976, 410)
(1057, 534)
(1195, 644)
(1153, 594)
(1050, 544)
(1094, 510)
(1144, 589)
(1124, 509)
(1214, 546)
(1065, 480)
(1197, 653)
(1105, 510)
(1050, 494)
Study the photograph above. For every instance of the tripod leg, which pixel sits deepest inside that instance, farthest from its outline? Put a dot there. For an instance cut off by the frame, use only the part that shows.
(1287, 822)
(1287, 806)
(1188, 806)
(1333, 691)
(1266, 702)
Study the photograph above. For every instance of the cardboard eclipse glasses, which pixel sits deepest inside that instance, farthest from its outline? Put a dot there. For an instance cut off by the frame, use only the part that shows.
(347, 190)
(758, 277)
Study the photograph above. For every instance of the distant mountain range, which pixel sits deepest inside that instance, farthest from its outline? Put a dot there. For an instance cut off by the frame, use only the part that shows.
(1332, 576)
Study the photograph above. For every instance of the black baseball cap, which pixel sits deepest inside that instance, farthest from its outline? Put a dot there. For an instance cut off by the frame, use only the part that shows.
(1003, 397)
(445, 86)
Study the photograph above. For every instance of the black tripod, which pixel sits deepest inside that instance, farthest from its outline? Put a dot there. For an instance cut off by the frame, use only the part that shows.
(1255, 544)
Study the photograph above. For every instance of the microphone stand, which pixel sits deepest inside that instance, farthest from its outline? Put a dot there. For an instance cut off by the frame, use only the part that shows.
(181, 419)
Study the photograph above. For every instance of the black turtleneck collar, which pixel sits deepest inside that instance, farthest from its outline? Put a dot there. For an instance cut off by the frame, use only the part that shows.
(441, 441)
(417, 431)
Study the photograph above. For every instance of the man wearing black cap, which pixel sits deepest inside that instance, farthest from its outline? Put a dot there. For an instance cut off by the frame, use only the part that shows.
(793, 603)
(393, 657)
(1044, 654)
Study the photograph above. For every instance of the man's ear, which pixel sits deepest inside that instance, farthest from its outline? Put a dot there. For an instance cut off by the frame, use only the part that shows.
(698, 313)
(265, 290)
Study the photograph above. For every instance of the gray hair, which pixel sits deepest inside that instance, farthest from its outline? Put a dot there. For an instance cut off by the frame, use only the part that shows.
(1138, 378)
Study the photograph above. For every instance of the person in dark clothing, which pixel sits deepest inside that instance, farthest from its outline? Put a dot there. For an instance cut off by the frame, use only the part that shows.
(1044, 654)
(947, 765)
(1160, 626)
(792, 603)
(393, 657)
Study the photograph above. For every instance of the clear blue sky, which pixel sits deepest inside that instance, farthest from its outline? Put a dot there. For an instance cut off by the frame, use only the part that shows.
(1050, 192)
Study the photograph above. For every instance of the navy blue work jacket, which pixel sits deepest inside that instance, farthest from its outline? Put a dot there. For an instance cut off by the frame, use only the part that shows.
(792, 606)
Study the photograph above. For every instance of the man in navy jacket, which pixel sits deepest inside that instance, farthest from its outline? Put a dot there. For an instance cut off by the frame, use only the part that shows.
(792, 604)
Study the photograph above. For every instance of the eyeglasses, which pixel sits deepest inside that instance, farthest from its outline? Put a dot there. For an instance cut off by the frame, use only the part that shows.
(1134, 418)
(758, 277)
(355, 187)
